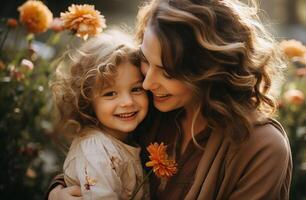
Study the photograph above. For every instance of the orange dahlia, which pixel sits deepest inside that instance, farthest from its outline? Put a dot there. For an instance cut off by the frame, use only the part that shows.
(35, 16)
(84, 20)
(162, 166)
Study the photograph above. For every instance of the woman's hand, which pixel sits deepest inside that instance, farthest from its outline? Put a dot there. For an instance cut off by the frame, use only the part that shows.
(65, 193)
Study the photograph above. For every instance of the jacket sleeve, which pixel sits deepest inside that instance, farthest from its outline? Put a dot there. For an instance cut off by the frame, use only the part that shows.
(57, 180)
(265, 166)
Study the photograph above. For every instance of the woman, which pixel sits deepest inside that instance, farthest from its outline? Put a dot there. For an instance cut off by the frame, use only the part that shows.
(210, 65)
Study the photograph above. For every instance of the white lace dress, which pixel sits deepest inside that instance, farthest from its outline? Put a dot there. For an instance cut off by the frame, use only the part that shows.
(104, 167)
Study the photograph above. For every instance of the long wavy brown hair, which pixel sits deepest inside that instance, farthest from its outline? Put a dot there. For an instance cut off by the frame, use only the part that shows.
(84, 70)
(221, 49)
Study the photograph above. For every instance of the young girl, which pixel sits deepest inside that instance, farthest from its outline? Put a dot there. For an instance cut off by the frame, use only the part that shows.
(102, 100)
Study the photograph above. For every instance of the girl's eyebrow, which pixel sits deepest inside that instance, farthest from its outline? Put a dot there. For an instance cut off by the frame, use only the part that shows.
(139, 81)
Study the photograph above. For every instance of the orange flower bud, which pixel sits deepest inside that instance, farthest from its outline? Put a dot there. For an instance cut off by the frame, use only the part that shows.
(12, 23)
(31, 173)
(301, 72)
(293, 48)
(2, 65)
(294, 96)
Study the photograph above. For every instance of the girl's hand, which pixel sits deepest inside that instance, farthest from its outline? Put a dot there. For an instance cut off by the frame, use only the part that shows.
(67, 193)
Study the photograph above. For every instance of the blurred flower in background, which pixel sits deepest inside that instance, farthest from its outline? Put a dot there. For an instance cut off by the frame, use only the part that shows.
(35, 16)
(292, 111)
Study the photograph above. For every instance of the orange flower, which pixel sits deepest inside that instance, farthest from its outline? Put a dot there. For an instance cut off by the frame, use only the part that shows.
(11, 22)
(293, 48)
(162, 166)
(294, 96)
(84, 20)
(2, 65)
(31, 173)
(301, 72)
(35, 16)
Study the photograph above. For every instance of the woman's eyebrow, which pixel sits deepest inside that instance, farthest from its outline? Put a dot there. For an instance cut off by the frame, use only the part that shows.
(143, 56)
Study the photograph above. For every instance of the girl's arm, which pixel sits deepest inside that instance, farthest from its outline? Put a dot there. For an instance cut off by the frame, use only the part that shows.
(59, 191)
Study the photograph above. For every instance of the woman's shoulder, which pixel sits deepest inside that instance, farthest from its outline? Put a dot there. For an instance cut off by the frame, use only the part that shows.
(267, 138)
(269, 132)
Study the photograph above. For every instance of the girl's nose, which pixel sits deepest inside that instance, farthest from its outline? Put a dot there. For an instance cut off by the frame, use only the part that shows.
(126, 100)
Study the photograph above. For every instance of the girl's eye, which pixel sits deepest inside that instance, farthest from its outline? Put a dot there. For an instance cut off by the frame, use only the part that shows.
(109, 94)
(137, 90)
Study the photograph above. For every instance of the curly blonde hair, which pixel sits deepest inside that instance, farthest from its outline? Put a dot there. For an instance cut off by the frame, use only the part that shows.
(221, 49)
(90, 67)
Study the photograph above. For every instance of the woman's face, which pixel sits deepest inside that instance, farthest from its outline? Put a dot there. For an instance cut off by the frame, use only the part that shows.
(168, 93)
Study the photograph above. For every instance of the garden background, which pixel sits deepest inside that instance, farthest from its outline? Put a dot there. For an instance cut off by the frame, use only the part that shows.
(29, 152)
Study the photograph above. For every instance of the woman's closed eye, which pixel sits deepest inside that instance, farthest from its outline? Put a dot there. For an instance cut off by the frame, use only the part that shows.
(166, 75)
(143, 58)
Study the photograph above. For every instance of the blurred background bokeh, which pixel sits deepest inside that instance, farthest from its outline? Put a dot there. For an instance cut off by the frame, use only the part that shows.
(30, 154)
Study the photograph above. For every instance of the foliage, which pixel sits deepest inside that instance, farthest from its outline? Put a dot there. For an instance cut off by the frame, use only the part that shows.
(292, 113)
(29, 52)
(25, 122)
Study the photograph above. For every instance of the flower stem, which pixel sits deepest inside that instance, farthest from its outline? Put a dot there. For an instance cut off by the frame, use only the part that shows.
(141, 184)
(4, 38)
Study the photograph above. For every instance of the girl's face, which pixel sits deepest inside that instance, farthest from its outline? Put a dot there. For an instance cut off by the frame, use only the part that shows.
(168, 93)
(121, 106)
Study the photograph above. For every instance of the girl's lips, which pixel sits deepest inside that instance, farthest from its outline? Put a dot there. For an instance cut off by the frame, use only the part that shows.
(127, 116)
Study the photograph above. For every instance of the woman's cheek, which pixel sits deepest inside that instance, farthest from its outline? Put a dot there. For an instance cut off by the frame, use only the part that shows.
(144, 68)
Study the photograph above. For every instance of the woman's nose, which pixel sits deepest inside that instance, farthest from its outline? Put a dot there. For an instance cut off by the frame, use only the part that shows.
(150, 80)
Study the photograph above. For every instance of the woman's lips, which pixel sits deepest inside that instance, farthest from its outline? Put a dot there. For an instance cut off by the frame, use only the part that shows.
(161, 98)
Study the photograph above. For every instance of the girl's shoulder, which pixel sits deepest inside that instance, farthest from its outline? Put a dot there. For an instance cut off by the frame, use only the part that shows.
(94, 141)
(91, 144)
(91, 141)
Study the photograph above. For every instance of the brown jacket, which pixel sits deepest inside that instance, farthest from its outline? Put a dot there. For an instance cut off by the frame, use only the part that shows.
(260, 168)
